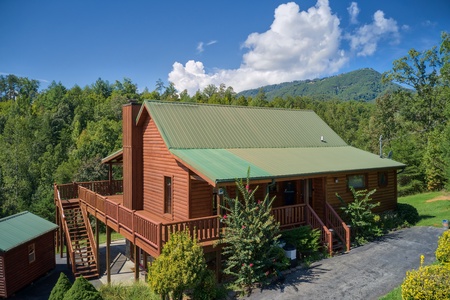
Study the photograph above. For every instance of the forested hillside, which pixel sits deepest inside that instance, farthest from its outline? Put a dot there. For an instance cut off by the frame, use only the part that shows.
(60, 134)
(360, 85)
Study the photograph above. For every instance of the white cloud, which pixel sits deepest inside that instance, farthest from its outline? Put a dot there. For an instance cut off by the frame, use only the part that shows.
(367, 37)
(298, 45)
(200, 48)
(201, 45)
(353, 11)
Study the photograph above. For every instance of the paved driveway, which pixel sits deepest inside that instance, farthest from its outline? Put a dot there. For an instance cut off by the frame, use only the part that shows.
(366, 272)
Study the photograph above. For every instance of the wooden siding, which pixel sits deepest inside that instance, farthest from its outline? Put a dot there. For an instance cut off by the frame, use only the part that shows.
(387, 196)
(200, 198)
(19, 272)
(2, 277)
(157, 163)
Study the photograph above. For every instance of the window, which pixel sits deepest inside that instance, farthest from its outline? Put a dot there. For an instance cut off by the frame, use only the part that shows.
(382, 179)
(357, 181)
(167, 195)
(31, 253)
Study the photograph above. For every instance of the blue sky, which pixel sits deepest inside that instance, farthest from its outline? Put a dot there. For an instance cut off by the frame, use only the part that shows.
(243, 44)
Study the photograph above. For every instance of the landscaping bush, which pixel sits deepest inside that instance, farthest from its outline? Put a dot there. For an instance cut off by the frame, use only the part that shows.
(207, 289)
(430, 282)
(61, 287)
(443, 249)
(408, 213)
(82, 289)
(359, 215)
(136, 291)
(180, 266)
(305, 239)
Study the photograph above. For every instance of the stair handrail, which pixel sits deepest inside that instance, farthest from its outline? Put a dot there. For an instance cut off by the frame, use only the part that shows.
(65, 227)
(325, 233)
(337, 224)
(88, 226)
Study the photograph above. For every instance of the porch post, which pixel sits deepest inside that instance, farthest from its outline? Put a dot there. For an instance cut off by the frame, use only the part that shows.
(108, 260)
(136, 262)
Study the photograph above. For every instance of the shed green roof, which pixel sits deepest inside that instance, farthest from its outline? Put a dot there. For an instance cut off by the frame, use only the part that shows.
(20, 228)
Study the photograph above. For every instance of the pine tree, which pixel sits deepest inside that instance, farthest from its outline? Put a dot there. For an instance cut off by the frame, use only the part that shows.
(250, 237)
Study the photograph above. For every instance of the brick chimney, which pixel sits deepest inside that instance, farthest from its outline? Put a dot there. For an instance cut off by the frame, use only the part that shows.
(132, 157)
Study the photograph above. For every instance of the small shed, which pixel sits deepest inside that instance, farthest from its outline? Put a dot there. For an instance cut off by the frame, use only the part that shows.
(27, 250)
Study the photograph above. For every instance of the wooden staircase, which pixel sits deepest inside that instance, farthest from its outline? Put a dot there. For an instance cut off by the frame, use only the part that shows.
(78, 234)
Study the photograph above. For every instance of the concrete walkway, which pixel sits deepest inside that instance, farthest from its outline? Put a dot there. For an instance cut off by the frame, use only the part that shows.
(366, 272)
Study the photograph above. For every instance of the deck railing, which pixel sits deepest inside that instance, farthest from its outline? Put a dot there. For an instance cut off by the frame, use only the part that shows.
(65, 229)
(154, 233)
(103, 187)
(332, 220)
(290, 216)
(205, 229)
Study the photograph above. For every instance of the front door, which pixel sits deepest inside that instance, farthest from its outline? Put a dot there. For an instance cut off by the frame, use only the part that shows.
(318, 196)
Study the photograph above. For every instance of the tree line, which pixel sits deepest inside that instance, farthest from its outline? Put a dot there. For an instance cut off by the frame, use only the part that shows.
(60, 134)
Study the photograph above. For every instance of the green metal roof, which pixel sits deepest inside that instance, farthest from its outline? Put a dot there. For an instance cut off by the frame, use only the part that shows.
(225, 165)
(21, 228)
(203, 126)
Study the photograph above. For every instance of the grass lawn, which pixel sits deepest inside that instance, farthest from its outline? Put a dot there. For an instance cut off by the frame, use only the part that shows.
(432, 207)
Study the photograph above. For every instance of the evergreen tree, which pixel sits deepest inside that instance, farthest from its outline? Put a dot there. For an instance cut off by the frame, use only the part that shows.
(250, 237)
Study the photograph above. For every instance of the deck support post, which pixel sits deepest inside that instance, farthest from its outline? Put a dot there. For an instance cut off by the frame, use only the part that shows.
(67, 253)
(145, 262)
(218, 265)
(136, 262)
(108, 259)
(97, 241)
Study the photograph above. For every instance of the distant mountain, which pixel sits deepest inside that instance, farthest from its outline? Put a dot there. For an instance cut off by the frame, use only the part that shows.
(362, 84)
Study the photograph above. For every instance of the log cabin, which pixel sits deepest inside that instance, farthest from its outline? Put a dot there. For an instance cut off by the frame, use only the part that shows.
(27, 251)
(180, 159)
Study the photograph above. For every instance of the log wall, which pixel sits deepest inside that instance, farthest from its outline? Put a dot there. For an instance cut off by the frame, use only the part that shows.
(158, 162)
(19, 272)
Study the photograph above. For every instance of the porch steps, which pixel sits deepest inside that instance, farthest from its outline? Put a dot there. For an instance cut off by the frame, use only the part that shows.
(83, 256)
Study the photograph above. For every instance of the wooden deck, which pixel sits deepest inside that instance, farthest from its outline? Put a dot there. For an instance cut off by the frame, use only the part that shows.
(149, 231)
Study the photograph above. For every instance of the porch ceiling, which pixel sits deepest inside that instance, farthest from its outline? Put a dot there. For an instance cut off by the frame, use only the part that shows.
(225, 165)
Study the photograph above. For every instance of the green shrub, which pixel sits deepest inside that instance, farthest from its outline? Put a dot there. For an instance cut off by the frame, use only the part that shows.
(443, 249)
(136, 291)
(430, 282)
(279, 262)
(408, 213)
(179, 267)
(359, 215)
(82, 289)
(207, 289)
(61, 287)
(305, 239)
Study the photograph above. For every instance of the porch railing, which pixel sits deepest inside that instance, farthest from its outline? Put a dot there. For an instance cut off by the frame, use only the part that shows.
(315, 222)
(332, 220)
(290, 216)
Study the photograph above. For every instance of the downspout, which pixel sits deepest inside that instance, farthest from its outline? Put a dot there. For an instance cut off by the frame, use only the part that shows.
(270, 185)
